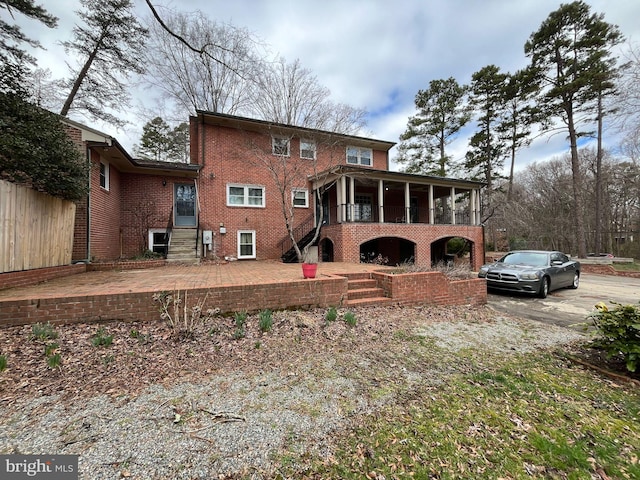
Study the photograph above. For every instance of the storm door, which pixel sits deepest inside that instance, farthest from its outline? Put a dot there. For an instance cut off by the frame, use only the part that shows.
(185, 205)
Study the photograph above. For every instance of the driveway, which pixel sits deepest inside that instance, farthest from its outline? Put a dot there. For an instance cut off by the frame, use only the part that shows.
(567, 307)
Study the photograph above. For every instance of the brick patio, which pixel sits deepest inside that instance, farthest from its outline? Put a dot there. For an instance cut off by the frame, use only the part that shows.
(251, 286)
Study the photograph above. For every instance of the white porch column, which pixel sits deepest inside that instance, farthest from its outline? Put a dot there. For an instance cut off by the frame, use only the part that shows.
(407, 203)
(478, 208)
(432, 207)
(352, 197)
(342, 183)
(381, 200)
(472, 207)
(453, 205)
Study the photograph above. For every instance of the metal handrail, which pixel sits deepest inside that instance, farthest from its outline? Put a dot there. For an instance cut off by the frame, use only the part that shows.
(298, 234)
(167, 235)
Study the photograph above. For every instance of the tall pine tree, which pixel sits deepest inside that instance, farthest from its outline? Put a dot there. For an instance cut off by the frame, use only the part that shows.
(442, 112)
(108, 45)
(570, 55)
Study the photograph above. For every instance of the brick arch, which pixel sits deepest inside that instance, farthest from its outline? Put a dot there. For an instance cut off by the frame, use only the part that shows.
(438, 249)
(389, 249)
(348, 237)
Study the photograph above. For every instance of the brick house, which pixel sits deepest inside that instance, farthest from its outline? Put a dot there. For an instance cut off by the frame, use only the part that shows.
(243, 173)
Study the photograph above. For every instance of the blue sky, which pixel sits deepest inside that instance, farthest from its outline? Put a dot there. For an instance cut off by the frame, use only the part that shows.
(373, 54)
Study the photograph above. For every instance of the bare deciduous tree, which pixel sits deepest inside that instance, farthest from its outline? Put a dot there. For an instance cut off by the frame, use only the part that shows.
(216, 77)
(290, 94)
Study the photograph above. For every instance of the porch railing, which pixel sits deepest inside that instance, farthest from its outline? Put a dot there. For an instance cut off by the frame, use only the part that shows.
(370, 213)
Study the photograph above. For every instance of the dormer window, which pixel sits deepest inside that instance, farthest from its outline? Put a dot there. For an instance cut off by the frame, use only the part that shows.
(359, 156)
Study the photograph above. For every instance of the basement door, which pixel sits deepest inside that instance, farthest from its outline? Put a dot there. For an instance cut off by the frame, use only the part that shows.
(184, 205)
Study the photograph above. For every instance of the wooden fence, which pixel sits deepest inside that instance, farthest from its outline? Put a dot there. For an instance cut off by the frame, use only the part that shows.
(36, 230)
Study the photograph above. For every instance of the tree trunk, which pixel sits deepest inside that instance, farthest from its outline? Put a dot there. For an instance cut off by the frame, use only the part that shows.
(81, 76)
(598, 220)
(579, 233)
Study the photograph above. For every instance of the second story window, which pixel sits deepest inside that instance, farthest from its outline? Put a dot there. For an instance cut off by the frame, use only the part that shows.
(308, 149)
(245, 196)
(104, 175)
(280, 146)
(359, 156)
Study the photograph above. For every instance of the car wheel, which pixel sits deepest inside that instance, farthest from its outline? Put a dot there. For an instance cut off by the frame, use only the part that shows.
(544, 288)
(576, 280)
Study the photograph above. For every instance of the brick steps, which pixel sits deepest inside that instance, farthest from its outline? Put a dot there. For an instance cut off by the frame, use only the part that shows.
(362, 290)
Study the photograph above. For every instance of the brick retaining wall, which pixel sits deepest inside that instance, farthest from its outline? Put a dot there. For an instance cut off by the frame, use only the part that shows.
(432, 288)
(38, 275)
(139, 306)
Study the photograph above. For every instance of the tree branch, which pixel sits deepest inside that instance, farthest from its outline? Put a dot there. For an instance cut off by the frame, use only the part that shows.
(201, 51)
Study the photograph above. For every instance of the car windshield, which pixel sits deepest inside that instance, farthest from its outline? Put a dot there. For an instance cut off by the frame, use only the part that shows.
(525, 258)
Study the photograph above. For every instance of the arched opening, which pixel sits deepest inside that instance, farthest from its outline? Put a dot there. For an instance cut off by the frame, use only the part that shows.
(388, 251)
(450, 250)
(326, 249)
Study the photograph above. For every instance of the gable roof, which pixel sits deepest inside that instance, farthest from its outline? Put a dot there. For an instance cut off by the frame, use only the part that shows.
(112, 151)
(251, 124)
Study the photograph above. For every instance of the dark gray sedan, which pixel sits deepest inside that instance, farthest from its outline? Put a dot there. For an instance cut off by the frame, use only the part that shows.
(532, 271)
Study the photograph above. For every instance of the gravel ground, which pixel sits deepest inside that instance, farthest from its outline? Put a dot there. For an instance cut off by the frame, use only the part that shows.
(235, 410)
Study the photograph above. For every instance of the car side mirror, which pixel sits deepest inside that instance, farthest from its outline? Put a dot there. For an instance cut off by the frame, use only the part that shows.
(556, 262)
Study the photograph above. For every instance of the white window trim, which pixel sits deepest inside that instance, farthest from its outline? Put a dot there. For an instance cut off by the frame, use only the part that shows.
(151, 232)
(106, 175)
(311, 142)
(359, 156)
(246, 195)
(273, 145)
(253, 244)
(306, 197)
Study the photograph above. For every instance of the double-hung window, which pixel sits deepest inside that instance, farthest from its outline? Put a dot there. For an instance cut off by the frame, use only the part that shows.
(280, 146)
(300, 197)
(307, 149)
(245, 196)
(359, 156)
(104, 175)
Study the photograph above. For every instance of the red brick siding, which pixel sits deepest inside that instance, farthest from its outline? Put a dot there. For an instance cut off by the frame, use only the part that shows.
(80, 229)
(230, 157)
(348, 237)
(105, 213)
(140, 194)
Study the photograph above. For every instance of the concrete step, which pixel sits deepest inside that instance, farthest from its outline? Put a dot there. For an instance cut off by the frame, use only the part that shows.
(368, 302)
(361, 283)
(365, 293)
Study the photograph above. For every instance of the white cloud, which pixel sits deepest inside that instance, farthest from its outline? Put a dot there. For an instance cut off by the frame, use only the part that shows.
(375, 54)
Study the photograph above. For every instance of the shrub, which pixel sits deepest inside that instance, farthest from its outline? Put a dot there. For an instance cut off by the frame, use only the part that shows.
(54, 360)
(266, 320)
(43, 331)
(331, 315)
(101, 339)
(3, 363)
(37, 152)
(182, 319)
(50, 349)
(240, 318)
(618, 332)
(350, 319)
